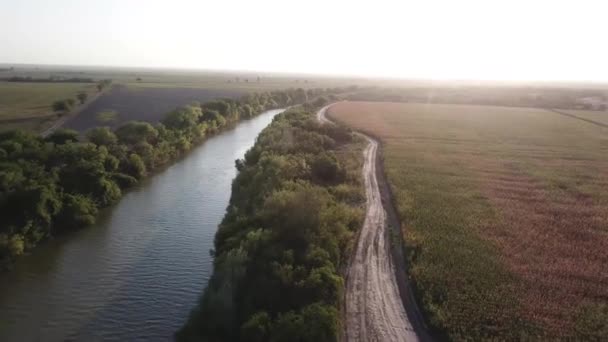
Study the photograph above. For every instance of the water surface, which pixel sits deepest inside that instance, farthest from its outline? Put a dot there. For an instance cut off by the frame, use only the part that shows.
(136, 274)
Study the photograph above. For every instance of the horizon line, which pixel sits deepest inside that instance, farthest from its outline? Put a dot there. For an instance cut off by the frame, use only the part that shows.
(315, 74)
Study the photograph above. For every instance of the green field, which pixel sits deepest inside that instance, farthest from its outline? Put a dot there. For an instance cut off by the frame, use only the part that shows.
(21, 100)
(504, 213)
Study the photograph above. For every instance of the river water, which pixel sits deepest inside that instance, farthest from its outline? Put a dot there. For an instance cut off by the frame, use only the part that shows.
(137, 273)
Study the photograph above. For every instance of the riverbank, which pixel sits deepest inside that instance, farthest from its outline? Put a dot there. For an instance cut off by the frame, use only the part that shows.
(295, 208)
(146, 259)
(58, 184)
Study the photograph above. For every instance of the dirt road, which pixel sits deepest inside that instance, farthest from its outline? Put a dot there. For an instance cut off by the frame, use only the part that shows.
(374, 310)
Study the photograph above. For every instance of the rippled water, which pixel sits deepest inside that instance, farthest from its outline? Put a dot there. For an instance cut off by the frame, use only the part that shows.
(136, 274)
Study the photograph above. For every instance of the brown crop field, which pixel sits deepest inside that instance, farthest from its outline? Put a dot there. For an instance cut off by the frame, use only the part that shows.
(504, 213)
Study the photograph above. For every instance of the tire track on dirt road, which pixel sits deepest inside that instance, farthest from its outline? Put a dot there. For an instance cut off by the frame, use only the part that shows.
(374, 310)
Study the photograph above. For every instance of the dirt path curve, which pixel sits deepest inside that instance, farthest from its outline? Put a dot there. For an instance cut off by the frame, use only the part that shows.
(374, 310)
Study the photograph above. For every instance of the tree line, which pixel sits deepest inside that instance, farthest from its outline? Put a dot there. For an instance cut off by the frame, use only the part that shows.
(57, 184)
(296, 205)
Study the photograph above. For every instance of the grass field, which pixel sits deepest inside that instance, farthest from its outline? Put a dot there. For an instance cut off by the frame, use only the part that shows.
(504, 213)
(600, 117)
(19, 100)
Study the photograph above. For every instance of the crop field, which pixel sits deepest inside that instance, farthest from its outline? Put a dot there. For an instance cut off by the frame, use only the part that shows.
(593, 116)
(504, 213)
(21, 100)
(122, 104)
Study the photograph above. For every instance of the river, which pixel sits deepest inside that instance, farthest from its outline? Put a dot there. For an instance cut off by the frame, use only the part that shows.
(137, 273)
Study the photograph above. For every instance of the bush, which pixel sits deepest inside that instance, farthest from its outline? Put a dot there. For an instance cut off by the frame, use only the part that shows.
(102, 136)
(63, 105)
(78, 212)
(326, 168)
(82, 97)
(62, 136)
(15, 245)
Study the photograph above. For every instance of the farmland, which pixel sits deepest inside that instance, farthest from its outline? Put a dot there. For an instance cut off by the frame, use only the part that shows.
(19, 100)
(138, 94)
(122, 104)
(592, 116)
(146, 93)
(504, 215)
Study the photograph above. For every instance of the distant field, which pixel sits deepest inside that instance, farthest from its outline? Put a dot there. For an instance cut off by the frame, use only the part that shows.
(593, 115)
(230, 84)
(146, 104)
(19, 100)
(173, 78)
(141, 94)
(504, 212)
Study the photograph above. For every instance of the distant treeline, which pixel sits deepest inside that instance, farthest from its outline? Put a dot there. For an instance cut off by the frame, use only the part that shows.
(296, 206)
(57, 184)
(52, 79)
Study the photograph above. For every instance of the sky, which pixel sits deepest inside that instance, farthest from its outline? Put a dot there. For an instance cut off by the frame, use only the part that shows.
(453, 39)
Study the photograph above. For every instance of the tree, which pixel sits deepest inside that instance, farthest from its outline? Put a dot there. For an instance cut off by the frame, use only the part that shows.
(62, 136)
(107, 191)
(257, 328)
(16, 245)
(78, 211)
(102, 136)
(101, 85)
(134, 132)
(82, 97)
(221, 106)
(326, 168)
(183, 118)
(63, 105)
(135, 166)
(247, 111)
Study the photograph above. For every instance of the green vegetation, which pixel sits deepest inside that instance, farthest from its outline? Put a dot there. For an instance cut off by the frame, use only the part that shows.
(504, 215)
(296, 205)
(57, 184)
(23, 100)
(64, 105)
(82, 97)
(103, 84)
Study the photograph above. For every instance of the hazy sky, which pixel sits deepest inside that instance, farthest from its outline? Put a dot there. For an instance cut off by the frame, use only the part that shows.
(475, 39)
